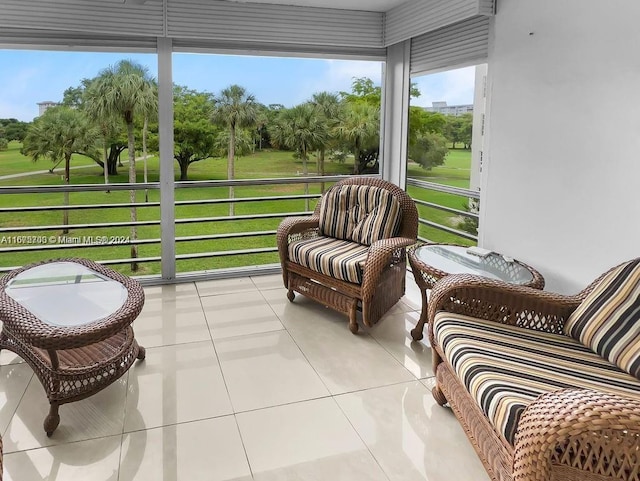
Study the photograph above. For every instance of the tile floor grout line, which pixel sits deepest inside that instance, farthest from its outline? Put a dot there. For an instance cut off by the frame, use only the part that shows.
(18, 403)
(215, 351)
(244, 447)
(362, 440)
(295, 342)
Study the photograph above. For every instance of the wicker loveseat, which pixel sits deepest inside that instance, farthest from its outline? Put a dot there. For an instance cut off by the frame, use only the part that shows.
(546, 386)
(350, 254)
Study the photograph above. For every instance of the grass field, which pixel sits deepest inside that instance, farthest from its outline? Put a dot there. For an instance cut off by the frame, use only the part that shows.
(265, 164)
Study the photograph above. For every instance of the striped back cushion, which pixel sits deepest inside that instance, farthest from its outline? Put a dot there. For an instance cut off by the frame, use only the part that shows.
(608, 320)
(359, 213)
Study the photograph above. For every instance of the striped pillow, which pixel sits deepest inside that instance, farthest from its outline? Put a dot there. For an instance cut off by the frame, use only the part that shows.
(608, 320)
(340, 211)
(363, 214)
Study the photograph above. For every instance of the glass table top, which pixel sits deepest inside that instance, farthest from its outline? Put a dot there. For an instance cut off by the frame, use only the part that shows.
(456, 260)
(66, 293)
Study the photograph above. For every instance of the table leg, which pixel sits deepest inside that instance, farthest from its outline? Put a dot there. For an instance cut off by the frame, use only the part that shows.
(417, 332)
(52, 420)
(142, 352)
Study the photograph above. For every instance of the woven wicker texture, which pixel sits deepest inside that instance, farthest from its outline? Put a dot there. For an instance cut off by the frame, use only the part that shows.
(564, 435)
(383, 281)
(590, 431)
(426, 276)
(75, 362)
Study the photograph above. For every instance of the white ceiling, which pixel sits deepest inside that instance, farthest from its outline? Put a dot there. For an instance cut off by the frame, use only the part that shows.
(367, 5)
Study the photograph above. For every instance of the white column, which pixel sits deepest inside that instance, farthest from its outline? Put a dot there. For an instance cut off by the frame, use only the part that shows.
(395, 114)
(167, 194)
(477, 140)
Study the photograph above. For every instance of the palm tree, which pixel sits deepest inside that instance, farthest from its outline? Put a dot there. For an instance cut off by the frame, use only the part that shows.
(360, 127)
(235, 108)
(328, 105)
(303, 129)
(58, 134)
(124, 90)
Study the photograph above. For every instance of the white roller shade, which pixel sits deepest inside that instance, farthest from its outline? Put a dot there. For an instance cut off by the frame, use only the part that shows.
(416, 17)
(90, 16)
(247, 22)
(460, 44)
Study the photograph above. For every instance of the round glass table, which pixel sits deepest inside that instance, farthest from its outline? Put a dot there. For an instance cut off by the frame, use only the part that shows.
(431, 262)
(70, 320)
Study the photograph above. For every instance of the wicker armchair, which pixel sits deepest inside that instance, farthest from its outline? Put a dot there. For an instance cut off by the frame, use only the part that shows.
(374, 279)
(572, 432)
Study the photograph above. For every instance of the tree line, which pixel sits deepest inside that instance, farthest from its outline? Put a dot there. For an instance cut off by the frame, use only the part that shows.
(118, 110)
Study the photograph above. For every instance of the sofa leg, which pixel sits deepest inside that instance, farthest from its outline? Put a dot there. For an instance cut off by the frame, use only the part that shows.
(353, 322)
(291, 295)
(438, 395)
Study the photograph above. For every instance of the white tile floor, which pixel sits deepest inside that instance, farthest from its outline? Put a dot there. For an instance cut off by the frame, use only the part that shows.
(240, 384)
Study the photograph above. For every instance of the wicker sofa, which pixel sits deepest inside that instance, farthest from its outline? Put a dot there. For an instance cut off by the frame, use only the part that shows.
(547, 387)
(350, 254)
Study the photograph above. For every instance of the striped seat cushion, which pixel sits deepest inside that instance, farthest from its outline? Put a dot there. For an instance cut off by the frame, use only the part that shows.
(333, 257)
(505, 368)
(608, 320)
(360, 213)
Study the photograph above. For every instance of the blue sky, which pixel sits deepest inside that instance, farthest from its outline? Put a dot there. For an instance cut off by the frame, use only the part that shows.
(29, 77)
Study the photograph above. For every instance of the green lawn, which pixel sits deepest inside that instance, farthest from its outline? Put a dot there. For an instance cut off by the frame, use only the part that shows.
(455, 172)
(13, 162)
(266, 164)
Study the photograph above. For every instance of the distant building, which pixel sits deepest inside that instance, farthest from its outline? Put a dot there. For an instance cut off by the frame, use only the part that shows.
(43, 106)
(443, 108)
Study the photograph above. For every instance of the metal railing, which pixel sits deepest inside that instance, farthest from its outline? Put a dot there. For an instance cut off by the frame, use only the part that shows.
(34, 241)
(45, 238)
(453, 234)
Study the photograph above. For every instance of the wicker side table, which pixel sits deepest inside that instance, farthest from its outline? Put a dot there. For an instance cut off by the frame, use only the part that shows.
(70, 320)
(431, 262)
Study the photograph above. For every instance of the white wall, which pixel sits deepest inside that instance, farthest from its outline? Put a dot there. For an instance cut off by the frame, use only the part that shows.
(561, 186)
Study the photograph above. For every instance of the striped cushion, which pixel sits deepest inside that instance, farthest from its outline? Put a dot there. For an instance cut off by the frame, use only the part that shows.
(608, 320)
(505, 367)
(360, 213)
(336, 258)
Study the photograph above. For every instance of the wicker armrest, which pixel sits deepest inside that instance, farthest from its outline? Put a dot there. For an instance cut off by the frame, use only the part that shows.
(382, 254)
(295, 225)
(578, 430)
(498, 301)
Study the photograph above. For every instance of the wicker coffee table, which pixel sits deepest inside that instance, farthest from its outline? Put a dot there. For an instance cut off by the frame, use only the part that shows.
(70, 320)
(431, 262)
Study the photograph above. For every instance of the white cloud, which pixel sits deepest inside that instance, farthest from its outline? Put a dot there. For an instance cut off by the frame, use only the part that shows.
(339, 75)
(452, 86)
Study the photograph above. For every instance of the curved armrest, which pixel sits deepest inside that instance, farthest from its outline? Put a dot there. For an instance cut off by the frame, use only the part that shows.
(499, 301)
(585, 429)
(295, 225)
(291, 226)
(382, 254)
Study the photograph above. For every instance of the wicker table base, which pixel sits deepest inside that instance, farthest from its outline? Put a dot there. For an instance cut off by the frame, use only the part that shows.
(427, 275)
(73, 362)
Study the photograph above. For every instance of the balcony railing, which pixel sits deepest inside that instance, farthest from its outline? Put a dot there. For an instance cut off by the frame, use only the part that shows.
(205, 233)
(431, 199)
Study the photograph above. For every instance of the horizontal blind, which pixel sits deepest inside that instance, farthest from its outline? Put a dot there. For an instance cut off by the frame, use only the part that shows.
(416, 17)
(247, 22)
(91, 16)
(462, 43)
(63, 40)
